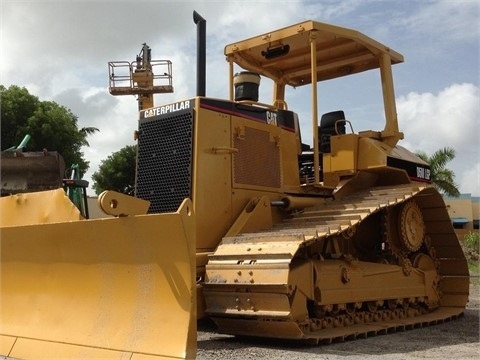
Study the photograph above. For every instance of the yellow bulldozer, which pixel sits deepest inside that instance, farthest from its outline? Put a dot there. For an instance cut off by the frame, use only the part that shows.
(237, 219)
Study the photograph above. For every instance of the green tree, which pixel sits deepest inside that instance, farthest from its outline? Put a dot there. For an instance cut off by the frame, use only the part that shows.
(50, 125)
(117, 172)
(442, 178)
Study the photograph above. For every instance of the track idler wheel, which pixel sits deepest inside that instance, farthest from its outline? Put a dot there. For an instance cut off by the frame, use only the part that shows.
(423, 262)
(412, 227)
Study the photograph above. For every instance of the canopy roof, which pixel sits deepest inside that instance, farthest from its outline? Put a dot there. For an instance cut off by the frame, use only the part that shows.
(284, 55)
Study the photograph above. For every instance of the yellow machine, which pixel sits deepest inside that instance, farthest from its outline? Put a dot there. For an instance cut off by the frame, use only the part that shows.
(237, 219)
(30, 171)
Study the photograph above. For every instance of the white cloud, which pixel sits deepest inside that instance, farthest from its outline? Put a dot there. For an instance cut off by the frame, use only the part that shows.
(455, 20)
(470, 180)
(447, 119)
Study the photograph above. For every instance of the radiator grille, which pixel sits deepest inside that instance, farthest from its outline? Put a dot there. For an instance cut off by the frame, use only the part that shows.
(257, 161)
(164, 166)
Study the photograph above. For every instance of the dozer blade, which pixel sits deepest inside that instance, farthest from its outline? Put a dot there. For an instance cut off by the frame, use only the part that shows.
(114, 288)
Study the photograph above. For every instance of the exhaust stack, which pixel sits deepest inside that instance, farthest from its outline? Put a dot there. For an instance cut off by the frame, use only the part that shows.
(201, 52)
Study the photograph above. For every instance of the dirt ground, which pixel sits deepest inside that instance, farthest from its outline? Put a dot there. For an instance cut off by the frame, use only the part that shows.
(458, 339)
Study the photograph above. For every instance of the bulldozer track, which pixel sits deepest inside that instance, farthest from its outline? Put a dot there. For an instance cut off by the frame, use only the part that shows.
(252, 279)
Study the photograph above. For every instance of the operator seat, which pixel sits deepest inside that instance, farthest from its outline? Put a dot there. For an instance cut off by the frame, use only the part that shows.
(327, 126)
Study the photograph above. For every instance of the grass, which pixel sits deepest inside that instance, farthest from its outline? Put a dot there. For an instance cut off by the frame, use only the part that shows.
(471, 241)
(473, 267)
(474, 270)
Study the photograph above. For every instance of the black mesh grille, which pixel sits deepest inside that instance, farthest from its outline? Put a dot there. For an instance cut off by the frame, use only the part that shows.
(164, 167)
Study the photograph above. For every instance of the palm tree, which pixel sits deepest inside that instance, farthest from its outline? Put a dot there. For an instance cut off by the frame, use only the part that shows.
(87, 131)
(442, 178)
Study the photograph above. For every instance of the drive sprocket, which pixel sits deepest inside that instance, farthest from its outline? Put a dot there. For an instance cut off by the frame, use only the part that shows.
(412, 226)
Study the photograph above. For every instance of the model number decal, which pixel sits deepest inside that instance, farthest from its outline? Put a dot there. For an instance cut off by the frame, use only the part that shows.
(423, 173)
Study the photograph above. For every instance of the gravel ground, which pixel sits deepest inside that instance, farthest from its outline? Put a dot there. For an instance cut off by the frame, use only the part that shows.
(458, 339)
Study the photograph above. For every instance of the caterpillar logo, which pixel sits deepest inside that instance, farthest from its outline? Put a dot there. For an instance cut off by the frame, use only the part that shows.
(166, 109)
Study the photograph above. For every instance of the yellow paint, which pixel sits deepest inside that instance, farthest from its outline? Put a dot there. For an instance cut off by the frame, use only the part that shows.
(37, 208)
(94, 288)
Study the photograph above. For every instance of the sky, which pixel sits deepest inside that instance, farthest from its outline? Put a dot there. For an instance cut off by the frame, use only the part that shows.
(59, 51)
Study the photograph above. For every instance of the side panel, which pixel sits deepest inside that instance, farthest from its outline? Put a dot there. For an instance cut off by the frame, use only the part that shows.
(376, 154)
(212, 191)
(343, 157)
